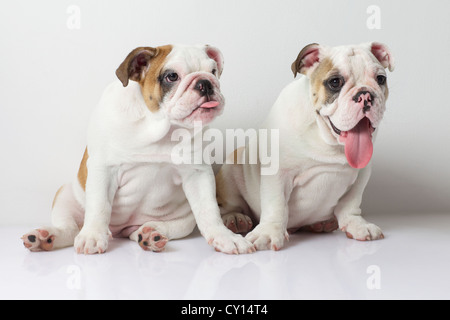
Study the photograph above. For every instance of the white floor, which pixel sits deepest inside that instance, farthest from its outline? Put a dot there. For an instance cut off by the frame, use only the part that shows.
(412, 262)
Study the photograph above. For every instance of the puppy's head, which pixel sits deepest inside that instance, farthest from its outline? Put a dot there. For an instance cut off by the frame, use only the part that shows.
(348, 89)
(181, 81)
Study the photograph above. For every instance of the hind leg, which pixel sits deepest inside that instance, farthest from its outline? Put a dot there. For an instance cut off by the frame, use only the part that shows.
(149, 238)
(233, 208)
(323, 226)
(67, 217)
(154, 235)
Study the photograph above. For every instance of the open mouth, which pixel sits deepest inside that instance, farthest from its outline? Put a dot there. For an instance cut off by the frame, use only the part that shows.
(338, 132)
(344, 133)
(358, 142)
(205, 107)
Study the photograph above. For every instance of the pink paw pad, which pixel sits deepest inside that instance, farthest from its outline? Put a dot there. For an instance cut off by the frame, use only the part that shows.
(151, 240)
(238, 222)
(38, 240)
(323, 226)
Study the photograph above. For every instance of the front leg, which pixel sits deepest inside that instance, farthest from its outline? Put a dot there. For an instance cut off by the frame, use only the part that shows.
(200, 189)
(271, 231)
(101, 186)
(348, 212)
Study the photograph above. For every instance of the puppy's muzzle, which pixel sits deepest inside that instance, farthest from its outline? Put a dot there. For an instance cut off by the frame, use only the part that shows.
(205, 88)
(364, 100)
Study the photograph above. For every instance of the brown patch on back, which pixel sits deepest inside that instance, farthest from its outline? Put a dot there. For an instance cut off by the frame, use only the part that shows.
(83, 172)
(56, 196)
(150, 85)
(320, 94)
(236, 154)
(220, 188)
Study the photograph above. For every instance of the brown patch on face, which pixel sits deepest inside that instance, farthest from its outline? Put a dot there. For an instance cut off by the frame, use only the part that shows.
(150, 85)
(82, 172)
(320, 94)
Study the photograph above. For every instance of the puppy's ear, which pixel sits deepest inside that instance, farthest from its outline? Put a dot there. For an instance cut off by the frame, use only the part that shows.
(217, 56)
(306, 59)
(383, 54)
(135, 64)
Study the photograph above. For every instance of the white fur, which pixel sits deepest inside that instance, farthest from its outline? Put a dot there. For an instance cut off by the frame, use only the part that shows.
(132, 181)
(314, 181)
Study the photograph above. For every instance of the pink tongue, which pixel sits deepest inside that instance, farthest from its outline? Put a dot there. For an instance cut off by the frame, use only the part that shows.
(358, 144)
(210, 104)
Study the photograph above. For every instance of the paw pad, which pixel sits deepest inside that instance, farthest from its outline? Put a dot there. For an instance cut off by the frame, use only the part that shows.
(237, 222)
(38, 240)
(151, 240)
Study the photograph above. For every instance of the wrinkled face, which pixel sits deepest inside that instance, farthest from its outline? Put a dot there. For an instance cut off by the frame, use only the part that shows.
(181, 81)
(190, 85)
(349, 92)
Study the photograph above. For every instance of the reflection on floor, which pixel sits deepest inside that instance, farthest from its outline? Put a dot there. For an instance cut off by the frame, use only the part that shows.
(412, 262)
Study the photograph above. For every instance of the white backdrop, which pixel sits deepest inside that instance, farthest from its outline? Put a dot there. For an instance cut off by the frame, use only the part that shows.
(53, 71)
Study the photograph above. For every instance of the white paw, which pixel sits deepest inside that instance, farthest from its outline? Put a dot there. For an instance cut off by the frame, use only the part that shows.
(361, 230)
(90, 241)
(226, 241)
(268, 236)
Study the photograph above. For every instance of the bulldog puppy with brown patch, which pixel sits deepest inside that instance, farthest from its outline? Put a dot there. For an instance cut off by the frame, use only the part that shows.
(127, 184)
(327, 122)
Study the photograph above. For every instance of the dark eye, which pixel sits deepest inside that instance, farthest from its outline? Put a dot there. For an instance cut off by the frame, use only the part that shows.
(172, 77)
(381, 80)
(336, 83)
(214, 71)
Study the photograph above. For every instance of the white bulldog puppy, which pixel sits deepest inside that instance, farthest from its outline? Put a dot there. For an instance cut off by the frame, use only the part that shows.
(127, 184)
(327, 122)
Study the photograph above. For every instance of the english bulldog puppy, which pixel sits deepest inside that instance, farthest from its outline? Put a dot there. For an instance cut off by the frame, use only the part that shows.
(327, 121)
(127, 184)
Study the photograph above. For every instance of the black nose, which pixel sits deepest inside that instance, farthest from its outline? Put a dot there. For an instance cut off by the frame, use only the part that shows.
(363, 95)
(205, 87)
(365, 98)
